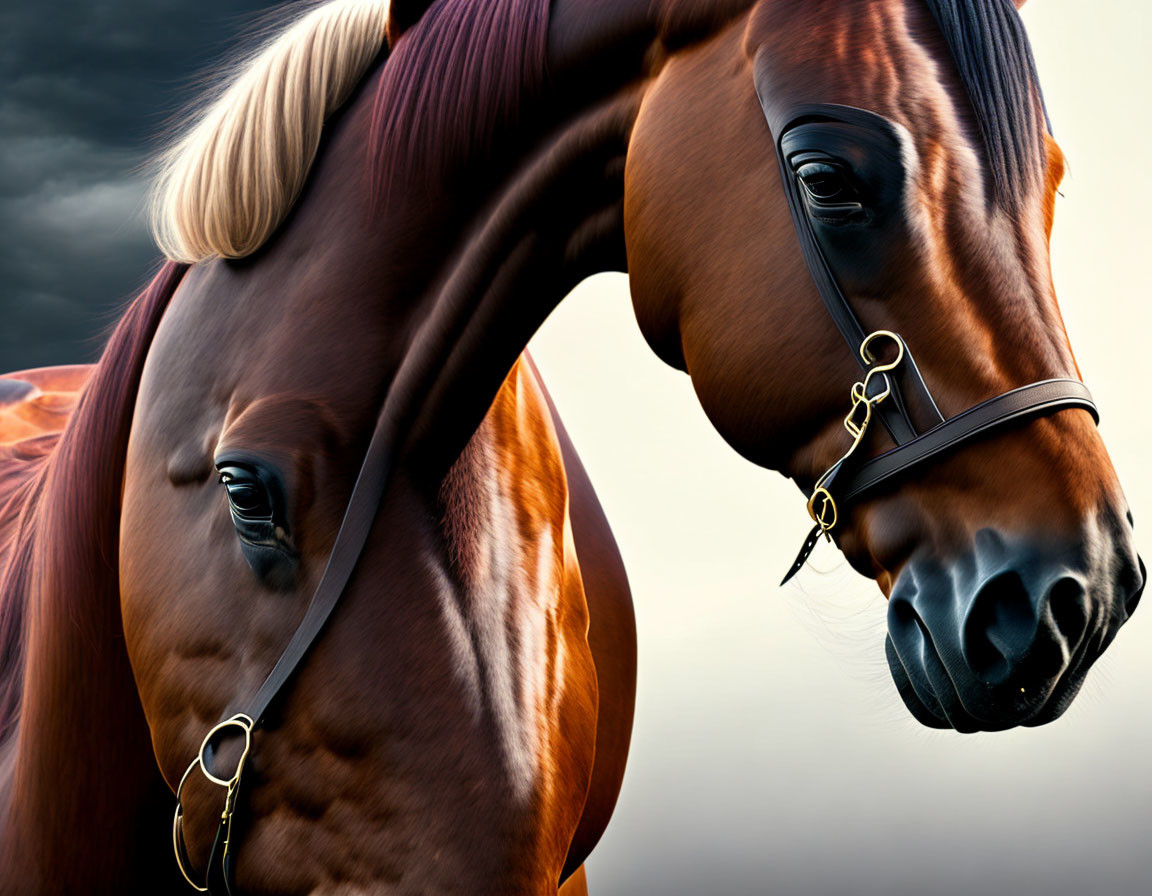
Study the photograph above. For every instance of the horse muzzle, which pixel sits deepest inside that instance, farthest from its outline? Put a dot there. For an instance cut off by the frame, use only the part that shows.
(1005, 635)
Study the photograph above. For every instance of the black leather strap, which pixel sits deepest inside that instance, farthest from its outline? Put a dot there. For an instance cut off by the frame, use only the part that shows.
(1034, 400)
(222, 860)
(806, 550)
(350, 541)
(912, 450)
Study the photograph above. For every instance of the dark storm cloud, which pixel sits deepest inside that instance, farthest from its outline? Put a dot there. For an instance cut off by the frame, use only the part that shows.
(84, 89)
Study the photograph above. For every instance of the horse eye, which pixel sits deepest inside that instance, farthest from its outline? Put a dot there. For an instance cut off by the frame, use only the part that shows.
(246, 493)
(257, 504)
(825, 182)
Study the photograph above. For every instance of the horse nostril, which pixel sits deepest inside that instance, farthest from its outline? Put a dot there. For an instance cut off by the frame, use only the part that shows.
(1007, 630)
(901, 615)
(1000, 627)
(1134, 600)
(1067, 601)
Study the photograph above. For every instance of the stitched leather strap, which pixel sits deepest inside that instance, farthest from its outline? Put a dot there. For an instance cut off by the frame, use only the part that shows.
(912, 450)
(1036, 399)
(350, 541)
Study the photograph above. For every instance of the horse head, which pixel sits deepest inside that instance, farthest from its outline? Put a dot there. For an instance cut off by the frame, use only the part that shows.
(914, 137)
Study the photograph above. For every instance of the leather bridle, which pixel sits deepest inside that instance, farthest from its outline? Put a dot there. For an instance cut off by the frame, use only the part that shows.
(883, 394)
(350, 540)
(888, 386)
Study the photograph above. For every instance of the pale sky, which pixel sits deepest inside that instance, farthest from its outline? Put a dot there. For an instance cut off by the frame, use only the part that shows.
(771, 752)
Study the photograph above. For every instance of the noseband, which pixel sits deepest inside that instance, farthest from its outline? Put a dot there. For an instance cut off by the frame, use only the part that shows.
(884, 394)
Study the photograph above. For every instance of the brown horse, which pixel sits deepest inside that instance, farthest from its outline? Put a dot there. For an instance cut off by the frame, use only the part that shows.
(462, 723)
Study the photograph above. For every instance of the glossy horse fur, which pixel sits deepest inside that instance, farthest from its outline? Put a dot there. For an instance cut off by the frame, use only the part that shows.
(463, 722)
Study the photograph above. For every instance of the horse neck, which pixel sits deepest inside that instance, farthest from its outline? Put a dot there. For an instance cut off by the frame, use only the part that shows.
(547, 214)
(82, 794)
(509, 272)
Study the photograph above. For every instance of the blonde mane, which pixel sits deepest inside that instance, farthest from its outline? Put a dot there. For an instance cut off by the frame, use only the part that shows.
(227, 182)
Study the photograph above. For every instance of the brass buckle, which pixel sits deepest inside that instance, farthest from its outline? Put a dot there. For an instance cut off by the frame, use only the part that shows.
(827, 504)
(822, 506)
(245, 724)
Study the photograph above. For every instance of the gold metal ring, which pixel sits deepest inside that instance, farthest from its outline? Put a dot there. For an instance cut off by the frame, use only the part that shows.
(856, 423)
(240, 721)
(881, 370)
(820, 518)
(869, 358)
(245, 724)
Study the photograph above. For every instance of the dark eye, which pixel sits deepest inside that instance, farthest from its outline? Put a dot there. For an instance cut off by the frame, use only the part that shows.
(826, 183)
(247, 495)
(258, 505)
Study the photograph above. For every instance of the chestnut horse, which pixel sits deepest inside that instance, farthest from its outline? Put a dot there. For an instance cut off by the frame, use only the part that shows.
(366, 228)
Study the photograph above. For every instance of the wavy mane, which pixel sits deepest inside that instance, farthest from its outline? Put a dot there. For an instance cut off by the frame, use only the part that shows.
(454, 79)
(231, 177)
(61, 566)
(20, 483)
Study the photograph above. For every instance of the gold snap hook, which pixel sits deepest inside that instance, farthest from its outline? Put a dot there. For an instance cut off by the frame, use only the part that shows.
(857, 421)
(822, 506)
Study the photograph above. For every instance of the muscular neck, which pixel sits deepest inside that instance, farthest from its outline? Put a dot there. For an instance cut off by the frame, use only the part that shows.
(557, 219)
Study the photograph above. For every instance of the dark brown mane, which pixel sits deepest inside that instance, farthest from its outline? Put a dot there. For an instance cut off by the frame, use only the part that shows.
(67, 537)
(994, 59)
(452, 81)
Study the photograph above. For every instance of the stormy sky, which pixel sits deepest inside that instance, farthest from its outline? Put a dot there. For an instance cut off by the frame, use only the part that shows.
(84, 90)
